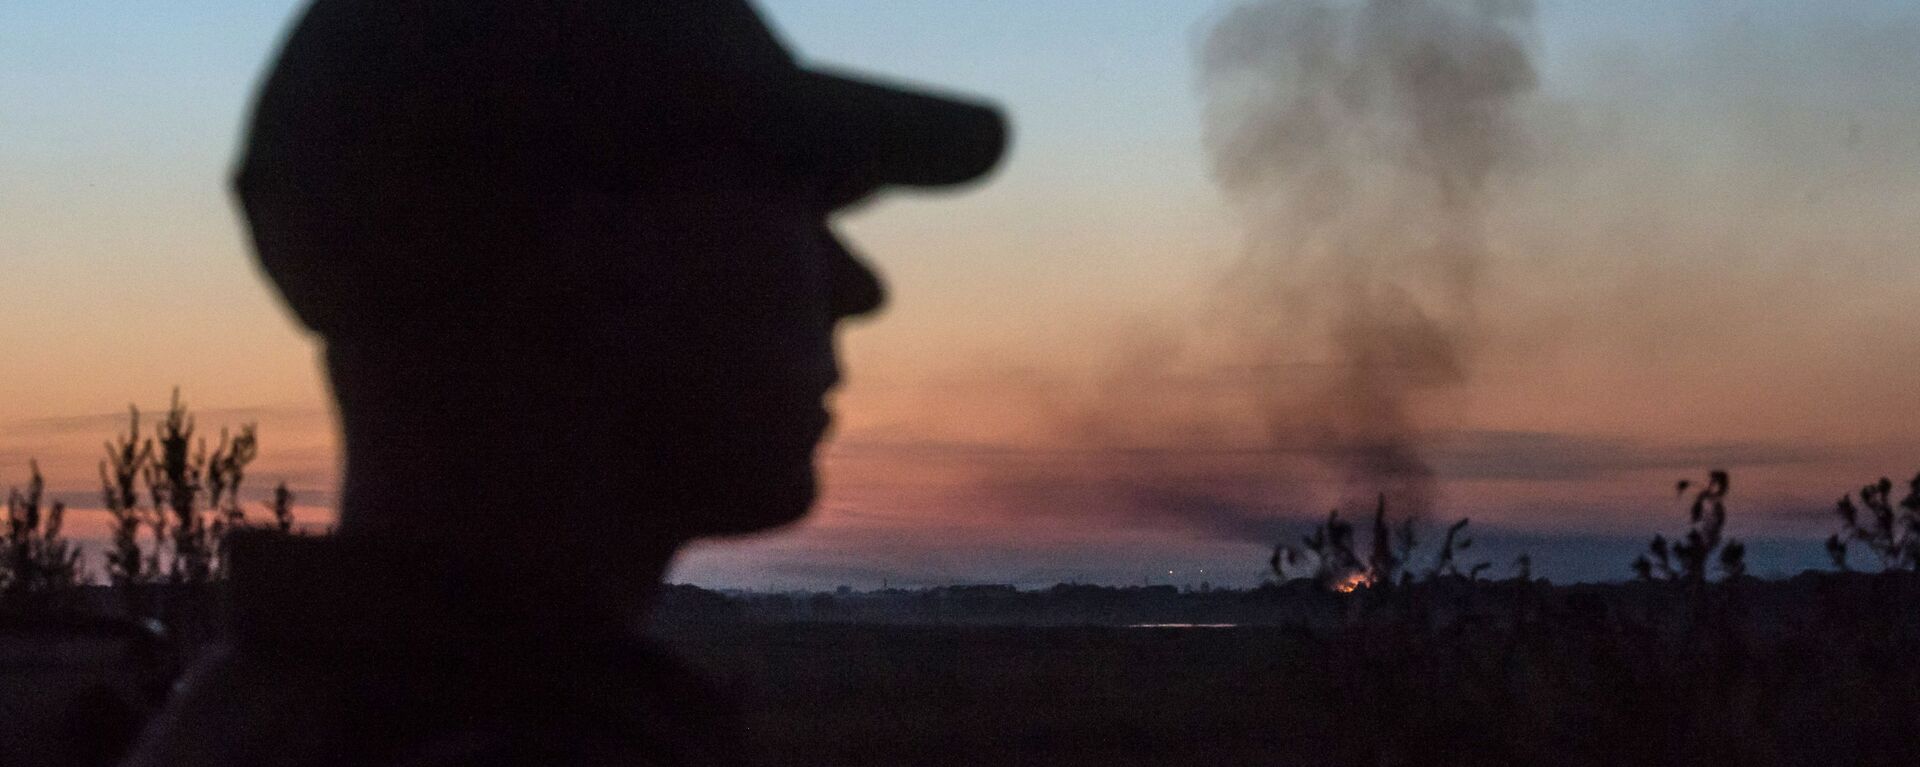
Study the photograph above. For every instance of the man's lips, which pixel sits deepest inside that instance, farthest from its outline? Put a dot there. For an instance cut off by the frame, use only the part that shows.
(822, 423)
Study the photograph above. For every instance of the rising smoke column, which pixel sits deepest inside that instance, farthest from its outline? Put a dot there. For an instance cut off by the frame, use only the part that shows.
(1357, 139)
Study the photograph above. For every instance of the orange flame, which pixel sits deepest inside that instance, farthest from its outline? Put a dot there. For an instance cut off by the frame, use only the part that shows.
(1353, 582)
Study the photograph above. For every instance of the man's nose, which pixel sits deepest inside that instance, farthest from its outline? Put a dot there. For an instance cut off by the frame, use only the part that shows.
(854, 289)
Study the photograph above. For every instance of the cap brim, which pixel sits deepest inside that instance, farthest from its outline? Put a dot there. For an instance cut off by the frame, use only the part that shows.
(894, 134)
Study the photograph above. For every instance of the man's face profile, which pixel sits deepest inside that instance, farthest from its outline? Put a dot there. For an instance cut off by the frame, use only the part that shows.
(735, 327)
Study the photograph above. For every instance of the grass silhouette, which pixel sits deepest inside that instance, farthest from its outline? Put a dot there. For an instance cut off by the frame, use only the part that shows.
(1893, 535)
(36, 563)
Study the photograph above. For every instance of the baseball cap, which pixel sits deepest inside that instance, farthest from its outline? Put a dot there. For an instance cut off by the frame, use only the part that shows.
(395, 86)
(400, 151)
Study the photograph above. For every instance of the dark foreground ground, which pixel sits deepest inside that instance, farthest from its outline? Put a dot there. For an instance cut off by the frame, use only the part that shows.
(901, 695)
(1822, 669)
(1550, 677)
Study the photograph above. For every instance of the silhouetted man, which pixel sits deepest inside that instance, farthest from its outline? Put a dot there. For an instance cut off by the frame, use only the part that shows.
(571, 263)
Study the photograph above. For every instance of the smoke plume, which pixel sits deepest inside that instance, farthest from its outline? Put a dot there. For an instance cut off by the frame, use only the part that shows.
(1357, 140)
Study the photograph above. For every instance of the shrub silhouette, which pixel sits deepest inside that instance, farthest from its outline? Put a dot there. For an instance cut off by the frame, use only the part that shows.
(282, 508)
(35, 561)
(172, 500)
(179, 473)
(1689, 560)
(120, 473)
(1891, 534)
(1446, 562)
(182, 493)
(1329, 552)
(1383, 565)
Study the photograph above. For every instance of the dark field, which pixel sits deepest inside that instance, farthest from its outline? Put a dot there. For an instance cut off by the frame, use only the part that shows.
(1818, 670)
(1821, 669)
(868, 694)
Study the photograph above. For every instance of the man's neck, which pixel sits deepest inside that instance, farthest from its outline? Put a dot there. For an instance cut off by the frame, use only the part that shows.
(568, 559)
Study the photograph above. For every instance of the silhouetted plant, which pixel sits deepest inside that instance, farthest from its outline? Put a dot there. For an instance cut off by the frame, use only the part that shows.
(1687, 561)
(120, 473)
(1383, 563)
(174, 481)
(1446, 562)
(34, 559)
(179, 474)
(1329, 556)
(192, 499)
(1405, 542)
(282, 508)
(1837, 551)
(1733, 559)
(1328, 550)
(1891, 534)
(226, 469)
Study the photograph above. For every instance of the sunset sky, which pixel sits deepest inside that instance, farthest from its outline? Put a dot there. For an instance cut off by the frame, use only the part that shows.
(1707, 255)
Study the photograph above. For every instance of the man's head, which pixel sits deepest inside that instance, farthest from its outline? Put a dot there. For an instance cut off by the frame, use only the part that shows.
(579, 242)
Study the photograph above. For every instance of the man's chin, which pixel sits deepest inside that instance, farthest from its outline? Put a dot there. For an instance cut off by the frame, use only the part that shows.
(741, 507)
